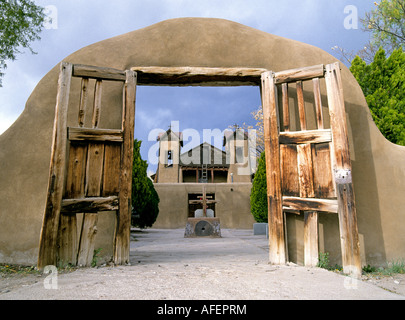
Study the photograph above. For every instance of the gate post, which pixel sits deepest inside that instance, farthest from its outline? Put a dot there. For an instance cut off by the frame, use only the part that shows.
(123, 229)
(349, 237)
(50, 223)
(277, 251)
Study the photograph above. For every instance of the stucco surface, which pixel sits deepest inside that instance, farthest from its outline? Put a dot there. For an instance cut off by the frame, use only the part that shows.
(25, 148)
(232, 207)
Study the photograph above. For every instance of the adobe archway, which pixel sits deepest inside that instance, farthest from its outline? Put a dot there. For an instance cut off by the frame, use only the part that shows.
(378, 172)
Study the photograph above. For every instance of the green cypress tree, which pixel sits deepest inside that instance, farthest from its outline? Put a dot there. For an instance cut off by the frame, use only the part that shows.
(383, 85)
(145, 200)
(258, 195)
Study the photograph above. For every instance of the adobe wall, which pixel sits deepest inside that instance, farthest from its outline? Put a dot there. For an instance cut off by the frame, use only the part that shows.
(25, 148)
(232, 207)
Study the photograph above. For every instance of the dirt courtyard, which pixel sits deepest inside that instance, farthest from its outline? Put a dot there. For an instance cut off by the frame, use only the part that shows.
(166, 266)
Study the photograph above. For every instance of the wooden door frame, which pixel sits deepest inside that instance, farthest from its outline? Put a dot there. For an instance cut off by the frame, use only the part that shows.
(267, 80)
(195, 76)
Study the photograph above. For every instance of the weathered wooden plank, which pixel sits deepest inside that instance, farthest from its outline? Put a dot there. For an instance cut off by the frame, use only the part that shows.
(198, 76)
(50, 224)
(83, 101)
(310, 204)
(311, 250)
(342, 173)
(305, 171)
(200, 201)
(289, 170)
(323, 180)
(308, 136)
(297, 74)
(349, 237)
(94, 171)
(112, 165)
(89, 205)
(318, 103)
(93, 72)
(286, 109)
(98, 90)
(277, 253)
(102, 135)
(337, 117)
(74, 188)
(87, 238)
(122, 235)
(76, 171)
(93, 185)
(301, 106)
(67, 240)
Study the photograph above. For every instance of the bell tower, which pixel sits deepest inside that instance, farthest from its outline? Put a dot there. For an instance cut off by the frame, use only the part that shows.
(237, 155)
(170, 144)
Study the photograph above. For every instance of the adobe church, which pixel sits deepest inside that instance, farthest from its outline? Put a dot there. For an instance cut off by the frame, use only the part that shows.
(225, 174)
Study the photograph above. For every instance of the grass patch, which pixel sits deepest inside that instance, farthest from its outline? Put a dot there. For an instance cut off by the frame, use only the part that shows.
(393, 267)
(323, 262)
(13, 269)
(20, 270)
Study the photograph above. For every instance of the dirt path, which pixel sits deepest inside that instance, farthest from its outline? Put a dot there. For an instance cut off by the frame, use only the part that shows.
(165, 265)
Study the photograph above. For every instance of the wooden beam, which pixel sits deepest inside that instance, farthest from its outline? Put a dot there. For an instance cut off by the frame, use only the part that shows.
(83, 101)
(342, 173)
(102, 135)
(308, 136)
(98, 90)
(301, 106)
(277, 252)
(50, 225)
(318, 103)
(299, 74)
(310, 204)
(85, 71)
(286, 109)
(91, 205)
(122, 233)
(201, 201)
(198, 76)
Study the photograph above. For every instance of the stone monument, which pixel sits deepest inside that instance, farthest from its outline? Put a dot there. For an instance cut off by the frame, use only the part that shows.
(204, 223)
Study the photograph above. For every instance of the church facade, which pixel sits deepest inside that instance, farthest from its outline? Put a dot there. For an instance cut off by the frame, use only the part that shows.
(226, 176)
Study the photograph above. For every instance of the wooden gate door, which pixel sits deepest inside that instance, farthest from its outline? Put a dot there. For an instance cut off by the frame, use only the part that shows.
(90, 170)
(308, 171)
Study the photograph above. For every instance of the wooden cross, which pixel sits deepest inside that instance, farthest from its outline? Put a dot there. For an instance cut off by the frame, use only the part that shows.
(203, 200)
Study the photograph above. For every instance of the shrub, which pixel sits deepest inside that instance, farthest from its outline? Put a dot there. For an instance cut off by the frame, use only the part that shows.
(145, 200)
(258, 195)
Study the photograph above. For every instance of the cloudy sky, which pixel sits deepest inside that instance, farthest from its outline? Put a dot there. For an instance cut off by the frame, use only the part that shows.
(78, 23)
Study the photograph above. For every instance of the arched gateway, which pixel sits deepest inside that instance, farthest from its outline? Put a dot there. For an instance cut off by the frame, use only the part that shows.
(316, 158)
